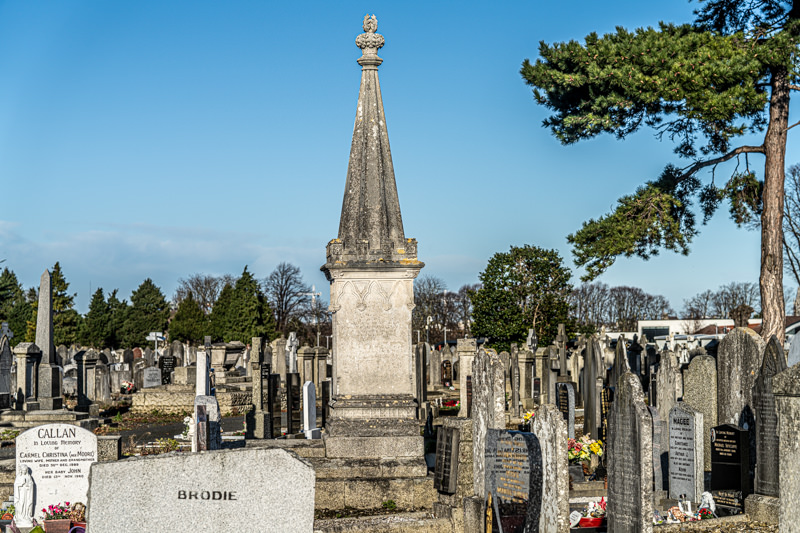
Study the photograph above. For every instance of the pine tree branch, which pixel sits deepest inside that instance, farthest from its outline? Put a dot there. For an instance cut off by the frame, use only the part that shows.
(793, 125)
(794, 87)
(692, 169)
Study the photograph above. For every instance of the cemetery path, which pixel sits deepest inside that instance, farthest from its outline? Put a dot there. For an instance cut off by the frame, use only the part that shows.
(152, 432)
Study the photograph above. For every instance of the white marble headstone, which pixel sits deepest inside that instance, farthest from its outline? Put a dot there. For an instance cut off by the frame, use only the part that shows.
(310, 411)
(59, 456)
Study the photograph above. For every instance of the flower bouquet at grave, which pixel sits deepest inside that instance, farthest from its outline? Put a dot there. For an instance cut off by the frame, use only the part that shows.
(57, 511)
(581, 450)
(527, 420)
(450, 405)
(126, 387)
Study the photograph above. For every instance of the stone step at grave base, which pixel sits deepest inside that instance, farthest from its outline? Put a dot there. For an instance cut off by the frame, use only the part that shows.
(398, 523)
(23, 420)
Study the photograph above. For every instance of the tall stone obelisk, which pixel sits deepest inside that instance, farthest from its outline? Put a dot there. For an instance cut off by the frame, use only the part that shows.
(49, 389)
(371, 267)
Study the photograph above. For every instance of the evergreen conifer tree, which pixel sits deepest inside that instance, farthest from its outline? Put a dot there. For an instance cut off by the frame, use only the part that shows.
(96, 331)
(148, 312)
(221, 313)
(189, 324)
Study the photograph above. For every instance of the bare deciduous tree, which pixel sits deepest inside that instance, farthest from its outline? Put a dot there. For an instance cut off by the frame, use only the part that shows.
(284, 288)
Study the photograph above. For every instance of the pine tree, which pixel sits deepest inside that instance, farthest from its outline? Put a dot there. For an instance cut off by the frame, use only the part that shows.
(14, 307)
(118, 311)
(189, 324)
(96, 331)
(703, 86)
(250, 316)
(149, 311)
(221, 314)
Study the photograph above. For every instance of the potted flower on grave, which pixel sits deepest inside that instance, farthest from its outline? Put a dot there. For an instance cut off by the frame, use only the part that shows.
(57, 519)
(527, 420)
(77, 515)
(7, 513)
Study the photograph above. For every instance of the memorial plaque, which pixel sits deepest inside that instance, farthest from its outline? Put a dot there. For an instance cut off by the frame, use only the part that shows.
(685, 453)
(167, 365)
(566, 404)
(266, 370)
(445, 474)
(151, 377)
(59, 457)
(730, 467)
(447, 374)
(513, 480)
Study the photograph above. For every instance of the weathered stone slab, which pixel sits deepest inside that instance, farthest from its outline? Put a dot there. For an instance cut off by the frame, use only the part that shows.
(549, 427)
(767, 437)
(786, 388)
(630, 460)
(700, 392)
(59, 457)
(151, 377)
(738, 363)
(488, 409)
(565, 398)
(667, 379)
(208, 490)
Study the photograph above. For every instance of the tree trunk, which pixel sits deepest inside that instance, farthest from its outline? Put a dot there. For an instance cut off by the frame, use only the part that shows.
(771, 279)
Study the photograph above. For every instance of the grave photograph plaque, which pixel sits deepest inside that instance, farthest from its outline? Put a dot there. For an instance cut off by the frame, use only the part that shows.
(514, 480)
(730, 468)
(446, 470)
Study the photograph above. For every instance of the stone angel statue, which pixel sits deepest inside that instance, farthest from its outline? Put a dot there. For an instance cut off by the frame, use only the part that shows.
(23, 497)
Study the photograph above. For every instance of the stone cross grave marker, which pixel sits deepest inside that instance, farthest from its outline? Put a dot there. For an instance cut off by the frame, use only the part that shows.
(59, 457)
(685, 453)
(513, 481)
(730, 468)
(209, 491)
(630, 460)
(766, 414)
(48, 391)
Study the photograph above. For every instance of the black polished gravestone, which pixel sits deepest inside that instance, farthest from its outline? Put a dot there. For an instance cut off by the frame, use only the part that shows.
(293, 411)
(606, 397)
(447, 374)
(513, 481)
(565, 399)
(274, 404)
(167, 365)
(730, 468)
(445, 474)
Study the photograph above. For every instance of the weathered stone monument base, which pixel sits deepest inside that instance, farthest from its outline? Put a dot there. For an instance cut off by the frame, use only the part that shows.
(29, 419)
(760, 508)
(176, 399)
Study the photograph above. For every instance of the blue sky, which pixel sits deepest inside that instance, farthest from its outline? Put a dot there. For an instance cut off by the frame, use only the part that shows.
(159, 139)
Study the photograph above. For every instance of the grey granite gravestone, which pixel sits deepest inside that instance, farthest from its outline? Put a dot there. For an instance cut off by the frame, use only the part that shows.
(177, 351)
(293, 411)
(565, 397)
(151, 377)
(59, 457)
(766, 414)
(513, 480)
(208, 490)
(620, 362)
(739, 358)
(685, 453)
(488, 407)
(660, 457)
(549, 427)
(592, 369)
(786, 388)
(700, 392)
(6, 362)
(630, 460)
(667, 378)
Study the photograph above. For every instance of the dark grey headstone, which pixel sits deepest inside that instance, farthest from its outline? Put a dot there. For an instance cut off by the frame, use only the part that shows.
(445, 473)
(565, 398)
(293, 412)
(766, 415)
(167, 365)
(514, 480)
(630, 460)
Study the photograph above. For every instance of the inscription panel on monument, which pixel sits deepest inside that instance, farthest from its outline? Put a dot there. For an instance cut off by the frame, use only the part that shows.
(730, 467)
(59, 457)
(682, 468)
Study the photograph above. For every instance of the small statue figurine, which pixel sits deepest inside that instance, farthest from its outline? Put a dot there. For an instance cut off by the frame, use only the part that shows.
(23, 497)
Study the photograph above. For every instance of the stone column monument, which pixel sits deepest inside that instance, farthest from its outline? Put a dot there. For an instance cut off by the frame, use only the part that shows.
(371, 267)
(49, 386)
